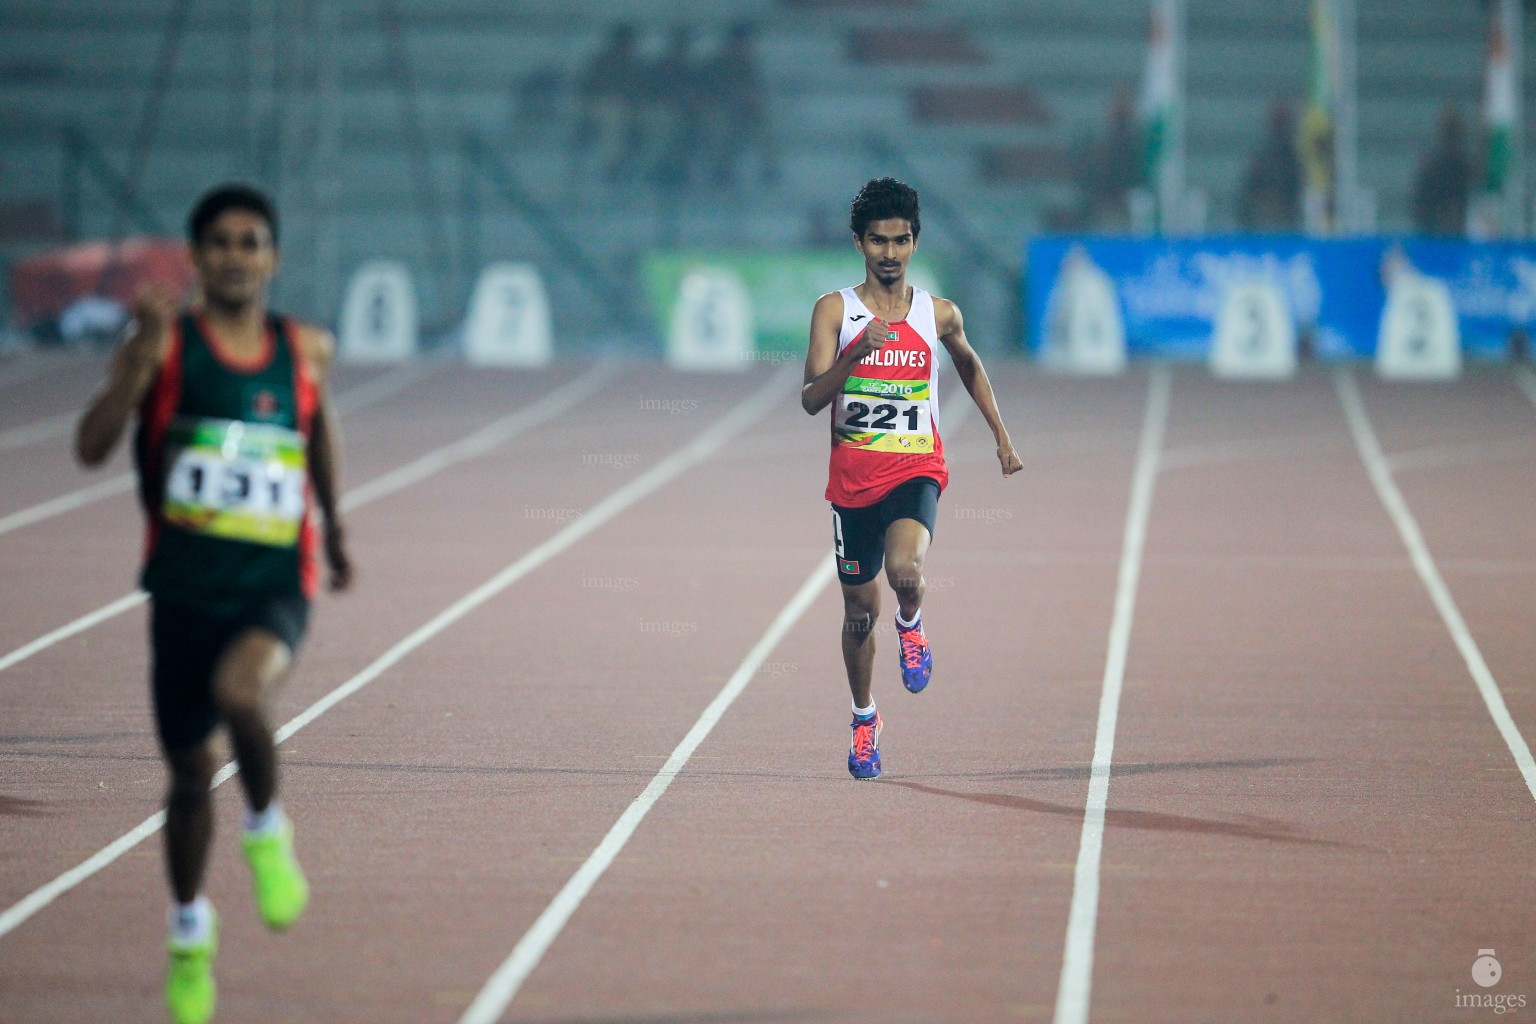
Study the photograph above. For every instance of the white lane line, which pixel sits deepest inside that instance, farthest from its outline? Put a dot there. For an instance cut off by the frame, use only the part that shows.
(384, 386)
(1424, 564)
(478, 443)
(696, 451)
(1073, 994)
(503, 985)
(80, 625)
(1433, 456)
(12, 438)
(485, 439)
(67, 502)
(352, 399)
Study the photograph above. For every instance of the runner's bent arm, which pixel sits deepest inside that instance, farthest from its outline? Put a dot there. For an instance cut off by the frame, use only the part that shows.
(134, 366)
(825, 371)
(973, 375)
(325, 455)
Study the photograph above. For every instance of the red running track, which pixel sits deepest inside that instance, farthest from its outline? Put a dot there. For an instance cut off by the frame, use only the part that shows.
(1311, 814)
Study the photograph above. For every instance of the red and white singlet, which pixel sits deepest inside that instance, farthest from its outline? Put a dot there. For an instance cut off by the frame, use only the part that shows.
(885, 422)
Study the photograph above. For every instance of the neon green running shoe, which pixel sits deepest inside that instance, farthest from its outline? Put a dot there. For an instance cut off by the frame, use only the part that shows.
(279, 885)
(190, 992)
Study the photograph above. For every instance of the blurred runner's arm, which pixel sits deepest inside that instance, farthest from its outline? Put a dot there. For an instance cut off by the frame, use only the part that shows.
(134, 366)
(325, 455)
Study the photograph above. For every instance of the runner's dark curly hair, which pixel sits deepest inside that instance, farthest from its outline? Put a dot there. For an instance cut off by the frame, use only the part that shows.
(232, 196)
(884, 199)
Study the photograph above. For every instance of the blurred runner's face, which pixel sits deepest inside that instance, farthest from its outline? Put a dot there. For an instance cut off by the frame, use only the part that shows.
(235, 258)
(887, 245)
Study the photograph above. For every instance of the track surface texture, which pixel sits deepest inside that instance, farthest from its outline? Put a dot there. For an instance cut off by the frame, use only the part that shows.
(609, 788)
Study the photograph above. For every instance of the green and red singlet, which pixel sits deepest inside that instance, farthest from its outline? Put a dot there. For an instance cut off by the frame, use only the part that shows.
(221, 453)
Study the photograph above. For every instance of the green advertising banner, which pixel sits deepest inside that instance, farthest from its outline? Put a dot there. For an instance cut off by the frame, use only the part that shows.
(782, 286)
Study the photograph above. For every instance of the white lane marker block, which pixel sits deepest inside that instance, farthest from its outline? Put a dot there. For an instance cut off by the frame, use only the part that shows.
(1419, 338)
(1255, 335)
(509, 321)
(712, 322)
(378, 315)
(1085, 332)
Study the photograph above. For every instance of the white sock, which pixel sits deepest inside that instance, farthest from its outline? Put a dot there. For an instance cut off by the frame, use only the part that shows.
(191, 922)
(859, 712)
(904, 624)
(264, 822)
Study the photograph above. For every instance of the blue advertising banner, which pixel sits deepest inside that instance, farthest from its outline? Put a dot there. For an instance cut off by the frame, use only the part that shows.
(1170, 292)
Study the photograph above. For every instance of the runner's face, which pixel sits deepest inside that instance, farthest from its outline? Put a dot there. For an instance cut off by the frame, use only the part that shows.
(887, 245)
(235, 258)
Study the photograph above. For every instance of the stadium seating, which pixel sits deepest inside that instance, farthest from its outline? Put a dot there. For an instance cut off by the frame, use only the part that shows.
(983, 97)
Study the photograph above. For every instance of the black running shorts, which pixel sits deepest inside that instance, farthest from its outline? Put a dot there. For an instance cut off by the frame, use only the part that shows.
(859, 533)
(185, 644)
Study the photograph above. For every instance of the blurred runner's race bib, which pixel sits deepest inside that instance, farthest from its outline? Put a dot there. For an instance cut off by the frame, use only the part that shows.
(236, 480)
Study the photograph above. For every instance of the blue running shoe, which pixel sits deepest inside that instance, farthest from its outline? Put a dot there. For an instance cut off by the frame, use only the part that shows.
(916, 658)
(864, 751)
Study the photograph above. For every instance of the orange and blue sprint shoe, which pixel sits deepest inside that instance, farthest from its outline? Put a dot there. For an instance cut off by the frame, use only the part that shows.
(916, 658)
(864, 751)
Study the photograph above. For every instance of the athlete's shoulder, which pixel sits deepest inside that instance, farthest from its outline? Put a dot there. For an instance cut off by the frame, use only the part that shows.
(832, 301)
(946, 315)
(828, 309)
(314, 341)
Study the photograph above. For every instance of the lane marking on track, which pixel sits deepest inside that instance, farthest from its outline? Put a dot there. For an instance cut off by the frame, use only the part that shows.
(1429, 574)
(40, 366)
(701, 448)
(1465, 454)
(38, 430)
(478, 443)
(503, 985)
(1075, 989)
(386, 385)
(352, 399)
(119, 484)
(80, 625)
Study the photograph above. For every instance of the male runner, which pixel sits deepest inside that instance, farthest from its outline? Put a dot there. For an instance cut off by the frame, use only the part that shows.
(235, 447)
(873, 357)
